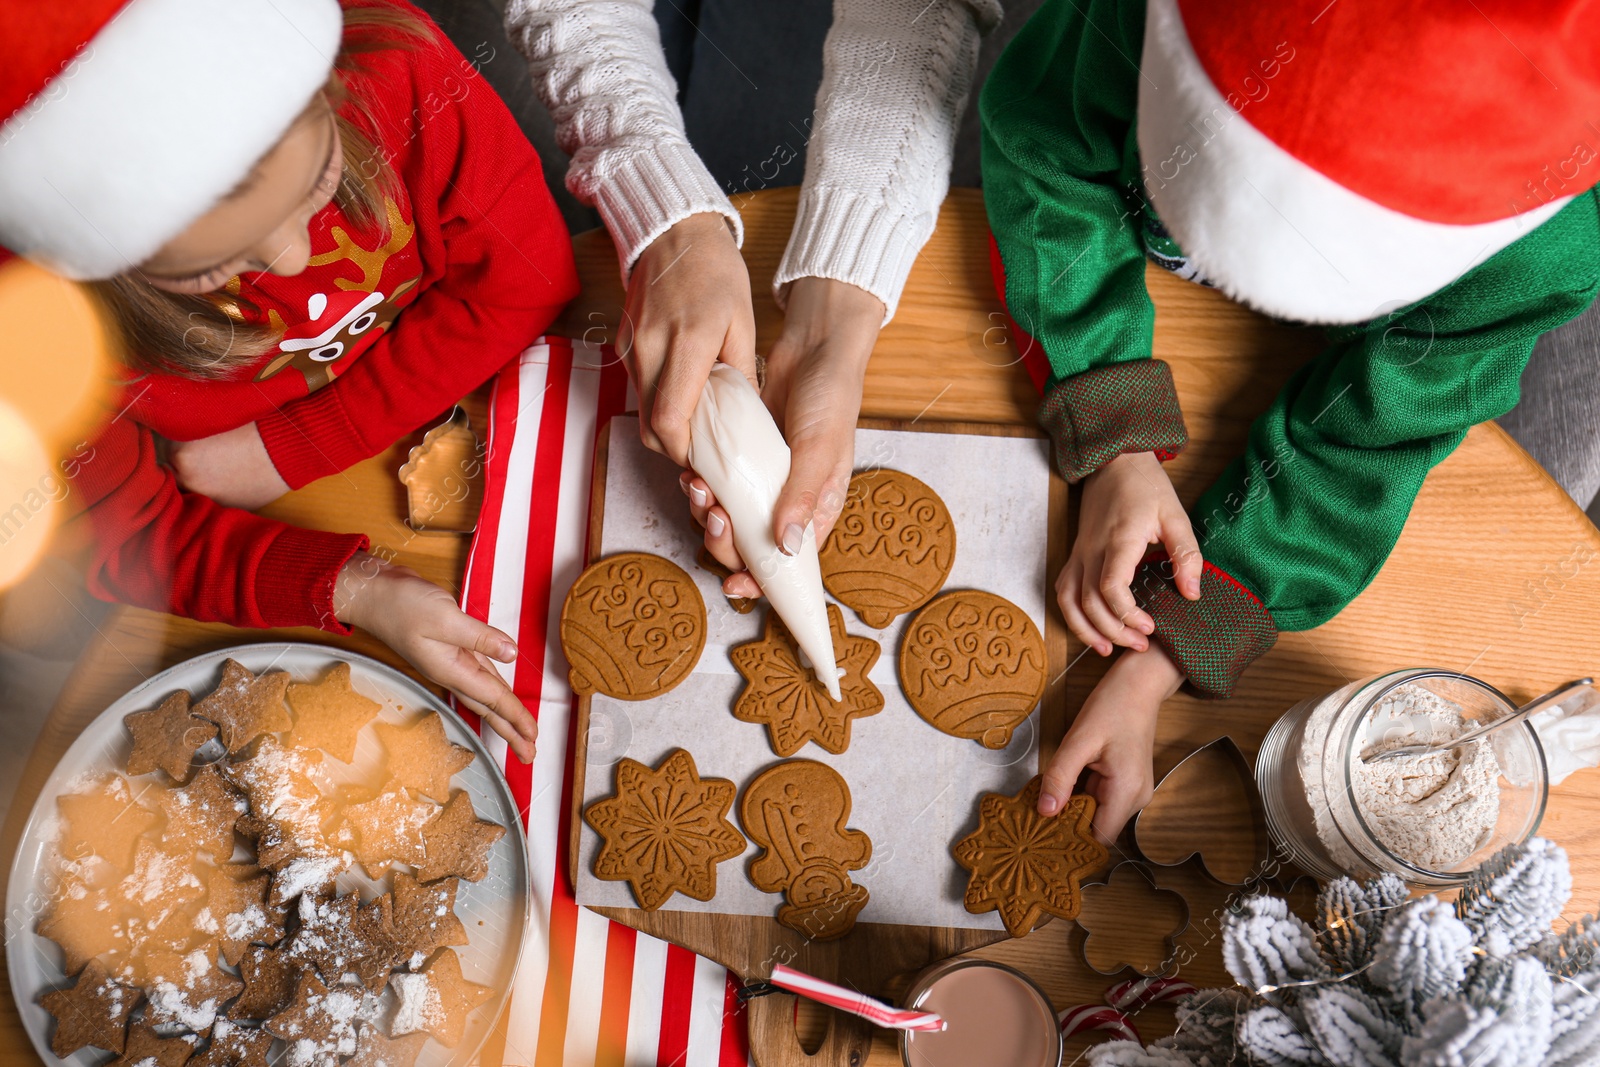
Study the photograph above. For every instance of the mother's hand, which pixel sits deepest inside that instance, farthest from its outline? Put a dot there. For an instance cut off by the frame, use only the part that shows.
(813, 389)
(688, 306)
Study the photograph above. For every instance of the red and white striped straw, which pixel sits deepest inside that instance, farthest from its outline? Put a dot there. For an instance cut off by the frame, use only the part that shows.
(848, 1000)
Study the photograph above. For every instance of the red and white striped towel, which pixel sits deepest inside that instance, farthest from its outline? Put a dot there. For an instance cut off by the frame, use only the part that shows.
(590, 991)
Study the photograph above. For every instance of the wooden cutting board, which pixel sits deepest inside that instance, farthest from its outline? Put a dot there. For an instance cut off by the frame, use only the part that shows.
(877, 958)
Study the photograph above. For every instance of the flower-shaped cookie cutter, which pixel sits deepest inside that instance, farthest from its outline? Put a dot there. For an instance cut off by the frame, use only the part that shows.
(1122, 919)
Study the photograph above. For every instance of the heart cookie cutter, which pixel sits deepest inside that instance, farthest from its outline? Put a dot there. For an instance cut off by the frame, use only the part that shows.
(1183, 814)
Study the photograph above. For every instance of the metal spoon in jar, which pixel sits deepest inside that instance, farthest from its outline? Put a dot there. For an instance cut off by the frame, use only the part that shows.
(1538, 704)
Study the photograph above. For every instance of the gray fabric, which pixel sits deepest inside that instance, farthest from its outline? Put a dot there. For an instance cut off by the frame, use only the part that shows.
(1558, 418)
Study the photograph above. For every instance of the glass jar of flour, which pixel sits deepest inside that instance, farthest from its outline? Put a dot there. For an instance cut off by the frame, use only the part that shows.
(1430, 818)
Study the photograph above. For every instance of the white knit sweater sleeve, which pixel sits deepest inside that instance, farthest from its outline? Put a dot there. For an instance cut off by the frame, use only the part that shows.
(896, 76)
(598, 66)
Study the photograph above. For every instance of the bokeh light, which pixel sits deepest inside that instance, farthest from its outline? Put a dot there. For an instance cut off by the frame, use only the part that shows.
(55, 353)
(31, 492)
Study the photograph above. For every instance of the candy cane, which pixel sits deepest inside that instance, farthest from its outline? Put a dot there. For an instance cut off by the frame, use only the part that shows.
(1137, 993)
(1086, 1017)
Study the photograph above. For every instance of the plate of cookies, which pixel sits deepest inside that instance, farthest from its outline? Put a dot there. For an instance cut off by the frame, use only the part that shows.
(272, 854)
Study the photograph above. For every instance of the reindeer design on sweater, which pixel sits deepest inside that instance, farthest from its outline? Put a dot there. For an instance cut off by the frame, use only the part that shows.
(340, 323)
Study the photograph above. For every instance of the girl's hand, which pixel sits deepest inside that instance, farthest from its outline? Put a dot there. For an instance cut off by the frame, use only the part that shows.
(421, 622)
(231, 467)
(688, 306)
(1128, 505)
(813, 389)
(1112, 738)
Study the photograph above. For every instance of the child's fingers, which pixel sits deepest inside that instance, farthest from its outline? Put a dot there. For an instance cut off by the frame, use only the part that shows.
(475, 679)
(1177, 534)
(1055, 786)
(1117, 798)
(1067, 589)
(524, 748)
(462, 630)
(1116, 578)
(1105, 620)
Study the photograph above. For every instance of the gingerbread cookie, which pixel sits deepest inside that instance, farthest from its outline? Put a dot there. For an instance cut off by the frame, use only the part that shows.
(633, 627)
(86, 922)
(891, 549)
(665, 830)
(458, 842)
(161, 897)
(373, 1049)
(166, 737)
(146, 1048)
(203, 813)
(337, 936)
(797, 811)
(188, 989)
(104, 821)
(420, 757)
(244, 705)
(1027, 864)
(386, 828)
(237, 912)
(436, 999)
(423, 917)
(973, 665)
(94, 1012)
(320, 1024)
(330, 714)
(269, 976)
(235, 1045)
(783, 694)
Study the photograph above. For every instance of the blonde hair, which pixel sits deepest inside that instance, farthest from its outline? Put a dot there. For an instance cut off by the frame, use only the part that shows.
(201, 335)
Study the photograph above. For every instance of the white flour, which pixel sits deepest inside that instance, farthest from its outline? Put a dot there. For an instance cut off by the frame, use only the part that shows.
(1432, 810)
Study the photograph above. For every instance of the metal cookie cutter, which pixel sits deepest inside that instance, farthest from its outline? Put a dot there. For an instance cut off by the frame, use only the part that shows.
(1195, 811)
(443, 476)
(1128, 899)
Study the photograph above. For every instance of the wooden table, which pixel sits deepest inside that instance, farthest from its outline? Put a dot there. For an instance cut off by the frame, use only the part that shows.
(1495, 575)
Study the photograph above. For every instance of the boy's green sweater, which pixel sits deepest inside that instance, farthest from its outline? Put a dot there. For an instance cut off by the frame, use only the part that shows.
(1299, 524)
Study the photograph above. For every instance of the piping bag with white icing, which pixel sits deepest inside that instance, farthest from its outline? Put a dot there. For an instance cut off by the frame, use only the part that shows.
(736, 447)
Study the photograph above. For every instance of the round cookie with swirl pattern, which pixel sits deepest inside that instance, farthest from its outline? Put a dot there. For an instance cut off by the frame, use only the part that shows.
(973, 665)
(892, 548)
(633, 627)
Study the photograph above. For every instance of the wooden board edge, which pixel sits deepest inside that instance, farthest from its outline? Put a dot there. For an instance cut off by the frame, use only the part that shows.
(597, 507)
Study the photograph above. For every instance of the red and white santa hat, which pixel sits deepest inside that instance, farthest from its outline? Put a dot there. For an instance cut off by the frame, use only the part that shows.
(1332, 160)
(123, 121)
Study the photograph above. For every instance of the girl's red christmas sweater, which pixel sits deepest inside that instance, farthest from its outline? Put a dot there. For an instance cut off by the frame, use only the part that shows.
(381, 334)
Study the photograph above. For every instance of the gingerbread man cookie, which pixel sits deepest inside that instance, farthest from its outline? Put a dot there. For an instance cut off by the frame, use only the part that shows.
(797, 811)
(892, 548)
(973, 665)
(633, 627)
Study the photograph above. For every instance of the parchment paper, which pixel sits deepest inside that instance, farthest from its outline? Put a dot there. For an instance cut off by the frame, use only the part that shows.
(915, 790)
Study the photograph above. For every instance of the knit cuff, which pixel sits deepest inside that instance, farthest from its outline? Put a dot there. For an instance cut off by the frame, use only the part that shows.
(311, 438)
(1213, 639)
(296, 576)
(1098, 415)
(848, 238)
(648, 192)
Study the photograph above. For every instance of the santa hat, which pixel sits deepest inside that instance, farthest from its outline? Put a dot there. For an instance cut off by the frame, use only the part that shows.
(1332, 160)
(124, 121)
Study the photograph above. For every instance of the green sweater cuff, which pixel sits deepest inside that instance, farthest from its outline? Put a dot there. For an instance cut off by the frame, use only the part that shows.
(1213, 639)
(1098, 415)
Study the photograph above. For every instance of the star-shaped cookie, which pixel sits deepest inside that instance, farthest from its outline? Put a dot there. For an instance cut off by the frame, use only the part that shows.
(665, 831)
(237, 912)
(245, 705)
(166, 737)
(424, 916)
(189, 989)
(436, 999)
(202, 814)
(386, 828)
(373, 1049)
(94, 1012)
(146, 1048)
(330, 714)
(104, 821)
(320, 1024)
(235, 1045)
(1027, 864)
(784, 695)
(421, 757)
(86, 922)
(269, 976)
(458, 843)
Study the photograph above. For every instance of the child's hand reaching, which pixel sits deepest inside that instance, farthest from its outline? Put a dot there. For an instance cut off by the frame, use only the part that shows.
(1112, 738)
(421, 622)
(1128, 505)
